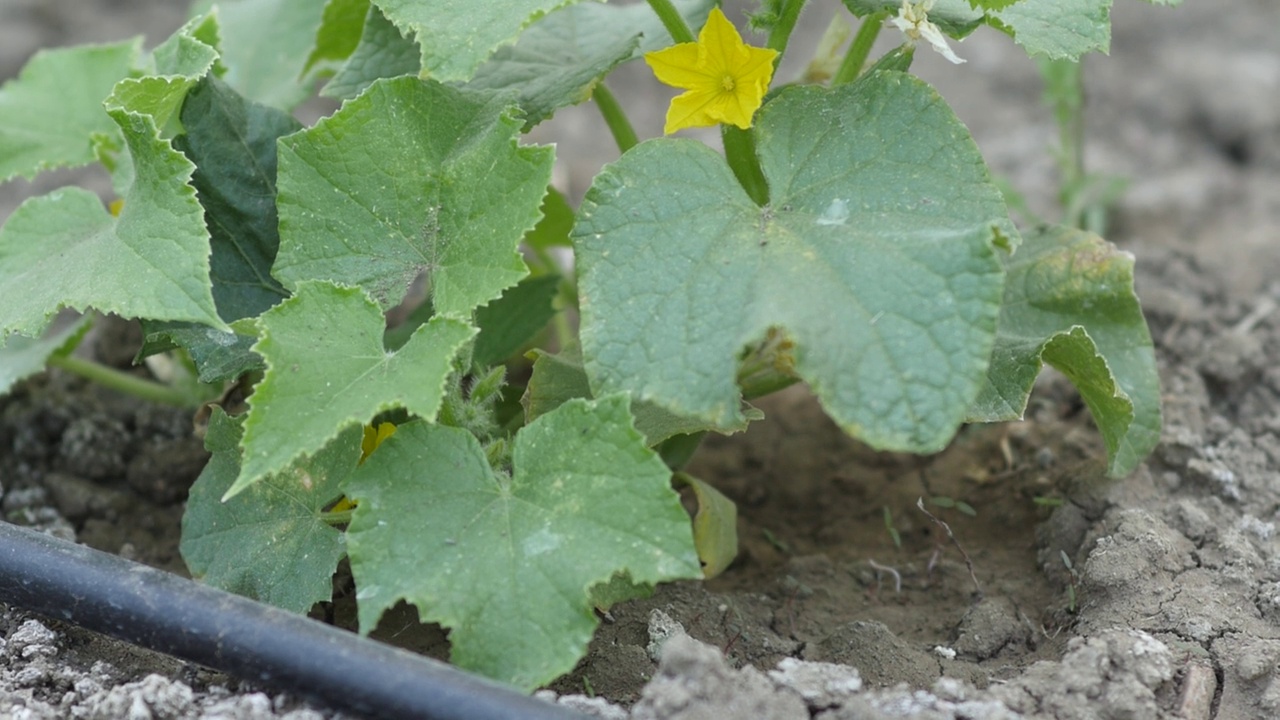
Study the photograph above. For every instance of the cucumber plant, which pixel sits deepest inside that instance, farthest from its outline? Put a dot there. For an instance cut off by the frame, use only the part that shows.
(432, 394)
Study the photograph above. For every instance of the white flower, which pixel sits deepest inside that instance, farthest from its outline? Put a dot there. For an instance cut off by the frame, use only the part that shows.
(913, 21)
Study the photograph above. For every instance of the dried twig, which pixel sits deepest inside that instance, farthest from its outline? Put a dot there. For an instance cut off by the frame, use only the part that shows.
(1265, 307)
(897, 577)
(968, 563)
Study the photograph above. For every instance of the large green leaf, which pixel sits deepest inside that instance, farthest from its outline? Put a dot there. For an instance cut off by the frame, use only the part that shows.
(559, 59)
(176, 65)
(233, 144)
(265, 44)
(158, 91)
(232, 141)
(1057, 29)
(65, 250)
(1069, 302)
(455, 36)
(411, 176)
(506, 563)
(327, 370)
(49, 113)
(270, 542)
(877, 256)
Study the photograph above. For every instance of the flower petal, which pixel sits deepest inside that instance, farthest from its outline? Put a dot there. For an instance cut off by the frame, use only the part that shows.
(677, 66)
(690, 110)
(930, 32)
(725, 50)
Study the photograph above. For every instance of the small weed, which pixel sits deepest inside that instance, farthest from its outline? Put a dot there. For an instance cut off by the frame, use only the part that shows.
(893, 531)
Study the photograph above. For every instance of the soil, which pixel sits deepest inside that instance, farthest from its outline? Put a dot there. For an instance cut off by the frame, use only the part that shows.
(1065, 594)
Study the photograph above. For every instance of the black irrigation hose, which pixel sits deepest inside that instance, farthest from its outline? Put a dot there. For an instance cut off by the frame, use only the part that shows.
(252, 641)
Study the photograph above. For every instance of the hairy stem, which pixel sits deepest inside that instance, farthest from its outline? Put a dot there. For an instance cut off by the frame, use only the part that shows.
(123, 382)
(615, 117)
(672, 21)
(781, 32)
(740, 151)
(859, 49)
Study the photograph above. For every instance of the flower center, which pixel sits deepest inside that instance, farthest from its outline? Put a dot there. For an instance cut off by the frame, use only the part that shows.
(727, 83)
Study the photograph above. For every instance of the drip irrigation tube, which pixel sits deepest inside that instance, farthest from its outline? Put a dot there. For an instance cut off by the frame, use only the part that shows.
(252, 641)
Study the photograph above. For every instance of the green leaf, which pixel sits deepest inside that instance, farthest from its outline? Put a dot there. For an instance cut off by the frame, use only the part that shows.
(412, 176)
(341, 26)
(51, 110)
(559, 378)
(555, 64)
(191, 51)
(218, 355)
(265, 44)
(160, 98)
(232, 141)
(556, 223)
(558, 59)
(395, 337)
(1058, 28)
(1069, 302)
(1053, 28)
(21, 357)
(511, 321)
(715, 526)
(507, 564)
(457, 35)
(619, 589)
(877, 257)
(383, 52)
(65, 250)
(178, 64)
(269, 543)
(327, 370)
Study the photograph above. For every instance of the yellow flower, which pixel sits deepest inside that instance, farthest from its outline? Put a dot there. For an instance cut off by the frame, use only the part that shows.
(725, 79)
(373, 437)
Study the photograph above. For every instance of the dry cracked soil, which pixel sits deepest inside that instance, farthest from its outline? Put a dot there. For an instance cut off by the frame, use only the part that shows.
(1075, 596)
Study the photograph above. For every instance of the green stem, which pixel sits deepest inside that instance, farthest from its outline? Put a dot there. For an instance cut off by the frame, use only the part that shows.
(781, 32)
(740, 152)
(1066, 91)
(1084, 198)
(337, 519)
(673, 21)
(615, 117)
(122, 381)
(859, 49)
